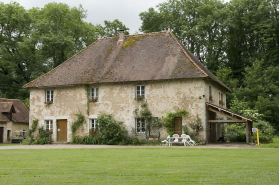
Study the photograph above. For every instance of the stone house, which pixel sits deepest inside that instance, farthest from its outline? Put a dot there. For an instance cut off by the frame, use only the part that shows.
(114, 72)
(14, 120)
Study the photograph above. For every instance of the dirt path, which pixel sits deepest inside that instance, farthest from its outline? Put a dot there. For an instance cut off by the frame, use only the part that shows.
(69, 146)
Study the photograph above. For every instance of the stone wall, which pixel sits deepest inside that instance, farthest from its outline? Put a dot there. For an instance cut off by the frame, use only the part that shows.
(119, 99)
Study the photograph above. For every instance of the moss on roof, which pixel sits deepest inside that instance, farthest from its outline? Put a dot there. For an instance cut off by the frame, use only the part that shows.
(143, 57)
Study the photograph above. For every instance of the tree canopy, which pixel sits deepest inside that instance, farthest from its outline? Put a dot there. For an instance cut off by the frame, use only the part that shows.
(34, 41)
(238, 41)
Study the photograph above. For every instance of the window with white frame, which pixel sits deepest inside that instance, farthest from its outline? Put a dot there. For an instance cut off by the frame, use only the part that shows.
(48, 125)
(140, 91)
(94, 94)
(49, 95)
(93, 124)
(140, 125)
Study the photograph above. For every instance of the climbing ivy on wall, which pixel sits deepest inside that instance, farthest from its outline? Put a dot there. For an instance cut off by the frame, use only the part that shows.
(87, 89)
(78, 123)
(152, 123)
(169, 120)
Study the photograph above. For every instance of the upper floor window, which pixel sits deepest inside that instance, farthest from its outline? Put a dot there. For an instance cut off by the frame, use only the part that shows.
(221, 101)
(140, 92)
(94, 94)
(48, 125)
(210, 95)
(140, 125)
(49, 97)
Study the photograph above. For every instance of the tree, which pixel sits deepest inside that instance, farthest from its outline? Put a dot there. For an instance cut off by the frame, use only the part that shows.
(260, 91)
(33, 42)
(198, 24)
(111, 29)
(62, 31)
(20, 60)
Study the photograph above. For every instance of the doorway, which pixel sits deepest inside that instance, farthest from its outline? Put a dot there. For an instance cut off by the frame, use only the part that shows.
(1, 134)
(61, 130)
(178, 125)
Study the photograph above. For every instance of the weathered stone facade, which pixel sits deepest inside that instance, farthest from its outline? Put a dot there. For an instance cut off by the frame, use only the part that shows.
(119, 99)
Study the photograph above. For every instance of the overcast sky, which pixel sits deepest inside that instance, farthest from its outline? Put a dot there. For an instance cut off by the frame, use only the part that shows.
(127, 11)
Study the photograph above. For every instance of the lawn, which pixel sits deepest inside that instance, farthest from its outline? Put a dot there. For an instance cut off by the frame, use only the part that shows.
(274, 144)
(140, 166)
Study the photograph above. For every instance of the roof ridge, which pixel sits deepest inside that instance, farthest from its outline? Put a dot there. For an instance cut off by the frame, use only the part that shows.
(183, 49)
(61, 63)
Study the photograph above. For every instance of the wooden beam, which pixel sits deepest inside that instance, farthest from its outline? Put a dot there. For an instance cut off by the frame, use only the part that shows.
(235, 117)
(226, 121)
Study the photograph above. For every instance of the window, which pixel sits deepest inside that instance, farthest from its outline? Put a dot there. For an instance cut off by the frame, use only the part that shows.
(93, 124)
(140, 91)
(94, 95)
(48, 125)
(140, 125)
(210, 95)
(221, 102)
(49, 95)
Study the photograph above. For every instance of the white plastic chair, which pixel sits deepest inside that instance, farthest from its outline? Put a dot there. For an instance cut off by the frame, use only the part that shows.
(167, 141)
(175, 136)
(184, 140)
(190, 141)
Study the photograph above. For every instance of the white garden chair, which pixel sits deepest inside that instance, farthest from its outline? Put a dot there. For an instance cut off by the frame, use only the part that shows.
(190, 141)
(184, 140)
(167, 141)
(175, 136)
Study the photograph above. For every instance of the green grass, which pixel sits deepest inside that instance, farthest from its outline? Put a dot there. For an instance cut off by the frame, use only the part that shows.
(274, 144)
(9, 144)
(140, 166)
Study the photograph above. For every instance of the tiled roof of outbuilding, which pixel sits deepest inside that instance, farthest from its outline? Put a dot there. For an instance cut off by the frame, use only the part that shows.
(20, 113)
(143, 57)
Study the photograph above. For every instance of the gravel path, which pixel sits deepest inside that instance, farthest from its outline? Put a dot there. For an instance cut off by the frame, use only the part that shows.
(69, 146)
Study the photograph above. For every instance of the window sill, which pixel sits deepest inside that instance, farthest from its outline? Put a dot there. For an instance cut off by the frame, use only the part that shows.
(97, 102)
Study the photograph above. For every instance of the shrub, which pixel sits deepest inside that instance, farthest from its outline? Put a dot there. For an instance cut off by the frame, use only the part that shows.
(110, 131)
(266, 131)
(240, 137)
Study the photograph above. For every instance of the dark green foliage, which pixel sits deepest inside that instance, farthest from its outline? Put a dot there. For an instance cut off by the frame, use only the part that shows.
(111, 132)
(153, 124)
(78, 123)
(111, 29)
(44, 137)
(85, 140)
(87, 89)
(169, 120)
(30, 138)
(266, 131)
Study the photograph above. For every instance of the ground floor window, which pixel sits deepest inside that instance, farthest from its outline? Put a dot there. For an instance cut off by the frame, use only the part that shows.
(93, 124)
(48, 124)
(140, 125)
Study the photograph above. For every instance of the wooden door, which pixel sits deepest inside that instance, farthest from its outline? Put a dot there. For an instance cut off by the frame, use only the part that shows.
(178, 126)
(1, 134)
(61, 130)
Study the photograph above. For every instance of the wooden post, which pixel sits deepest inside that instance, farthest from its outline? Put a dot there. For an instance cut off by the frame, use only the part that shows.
(247, 132)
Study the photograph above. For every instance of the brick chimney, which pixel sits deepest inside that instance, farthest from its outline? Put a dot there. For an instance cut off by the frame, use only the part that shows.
(121, 35)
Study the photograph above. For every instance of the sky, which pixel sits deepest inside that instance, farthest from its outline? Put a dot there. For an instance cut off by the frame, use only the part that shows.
(127, 11)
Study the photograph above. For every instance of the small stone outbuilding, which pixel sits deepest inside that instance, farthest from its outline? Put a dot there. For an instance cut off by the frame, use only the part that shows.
(14, 120)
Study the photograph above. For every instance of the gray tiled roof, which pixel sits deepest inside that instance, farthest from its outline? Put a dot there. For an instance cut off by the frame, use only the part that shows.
(143, 57)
